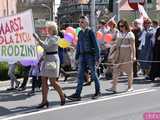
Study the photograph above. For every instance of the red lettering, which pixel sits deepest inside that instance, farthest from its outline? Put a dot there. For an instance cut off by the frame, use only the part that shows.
(7, 40)
(28, 37)
(17, 38)
(1, 29)
(11, 39)
(1, 40)
(7, 29)
(20, 25)
(22, 37)
(12, 25)
(16, 25)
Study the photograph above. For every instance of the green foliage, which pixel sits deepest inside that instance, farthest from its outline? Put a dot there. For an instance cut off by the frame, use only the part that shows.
(4, 71)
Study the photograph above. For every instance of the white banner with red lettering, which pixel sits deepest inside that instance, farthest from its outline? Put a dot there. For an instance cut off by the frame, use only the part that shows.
(16, 40)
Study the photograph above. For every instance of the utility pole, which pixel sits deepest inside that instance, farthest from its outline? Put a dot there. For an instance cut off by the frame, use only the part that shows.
(116, 10)
(92, 8)
(53, 10)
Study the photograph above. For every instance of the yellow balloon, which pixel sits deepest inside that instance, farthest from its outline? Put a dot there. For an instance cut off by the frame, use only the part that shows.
(63, 43)
(39, 49)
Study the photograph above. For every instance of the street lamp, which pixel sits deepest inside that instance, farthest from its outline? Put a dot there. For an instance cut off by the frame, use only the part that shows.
(50, 10)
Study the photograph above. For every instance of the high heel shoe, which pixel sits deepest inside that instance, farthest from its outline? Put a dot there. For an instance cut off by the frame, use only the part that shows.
(63, 100)
(42, 105)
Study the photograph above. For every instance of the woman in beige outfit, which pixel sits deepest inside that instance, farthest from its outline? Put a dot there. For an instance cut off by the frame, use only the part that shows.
(125, 54)
(51, 64)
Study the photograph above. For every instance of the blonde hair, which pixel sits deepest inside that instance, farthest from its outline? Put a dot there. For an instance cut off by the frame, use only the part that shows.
(53, 26)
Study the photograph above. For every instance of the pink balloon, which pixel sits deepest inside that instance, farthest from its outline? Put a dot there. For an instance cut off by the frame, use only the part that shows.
(108, 38)
(99, 35)
(74, 42)
(70, 30)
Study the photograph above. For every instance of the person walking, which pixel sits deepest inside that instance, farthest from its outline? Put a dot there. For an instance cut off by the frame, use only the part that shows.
(36, 82)
(87, 54)
(51, 64)
(125, 54)
(137, 32)
(146, 47)
(12, 76)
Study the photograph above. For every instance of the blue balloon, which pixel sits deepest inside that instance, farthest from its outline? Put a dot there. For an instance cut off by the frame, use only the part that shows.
(69, 37)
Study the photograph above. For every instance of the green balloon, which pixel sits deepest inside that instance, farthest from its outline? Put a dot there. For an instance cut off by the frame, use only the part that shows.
(78, 29)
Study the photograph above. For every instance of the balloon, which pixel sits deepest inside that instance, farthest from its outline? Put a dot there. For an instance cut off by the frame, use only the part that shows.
(39, 48)
(71, 30)
(63, 43)
(29, 62)
(108, 38)
(78, 29)
(74, 42)
(99, 35)
(68, 36)
(40, 51)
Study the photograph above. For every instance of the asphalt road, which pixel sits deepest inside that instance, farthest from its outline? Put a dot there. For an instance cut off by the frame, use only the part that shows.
(121, 106)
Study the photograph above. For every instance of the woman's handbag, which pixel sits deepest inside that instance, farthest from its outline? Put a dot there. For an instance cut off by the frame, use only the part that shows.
(113, 54)
(115, 51)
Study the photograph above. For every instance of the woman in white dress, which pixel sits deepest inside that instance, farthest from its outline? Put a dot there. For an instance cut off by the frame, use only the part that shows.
(51, 64)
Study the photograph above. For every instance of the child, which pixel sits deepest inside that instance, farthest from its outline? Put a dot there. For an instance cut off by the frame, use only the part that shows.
(36, 82)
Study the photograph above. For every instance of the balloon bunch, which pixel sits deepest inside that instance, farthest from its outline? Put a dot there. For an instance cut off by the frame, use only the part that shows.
(70, 37)
(107, 37)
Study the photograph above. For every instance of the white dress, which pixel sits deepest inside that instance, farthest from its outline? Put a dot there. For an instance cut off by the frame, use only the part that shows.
(51, 63)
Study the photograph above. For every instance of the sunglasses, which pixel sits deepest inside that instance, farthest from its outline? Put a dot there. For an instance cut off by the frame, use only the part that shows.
(81, 22)
(121, 25)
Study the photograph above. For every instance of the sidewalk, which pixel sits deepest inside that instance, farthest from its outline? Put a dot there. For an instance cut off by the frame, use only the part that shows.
(5, 84)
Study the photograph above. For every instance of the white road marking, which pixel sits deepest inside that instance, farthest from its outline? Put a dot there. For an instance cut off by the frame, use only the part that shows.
(105, 98)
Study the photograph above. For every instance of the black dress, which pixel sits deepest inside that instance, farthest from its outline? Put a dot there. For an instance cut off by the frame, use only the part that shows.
(155, 68)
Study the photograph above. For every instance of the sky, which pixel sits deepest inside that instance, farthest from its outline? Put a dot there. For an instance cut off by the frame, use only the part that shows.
(57, 2)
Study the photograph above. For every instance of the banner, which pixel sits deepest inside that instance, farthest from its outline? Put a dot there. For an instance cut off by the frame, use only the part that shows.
(16, 40)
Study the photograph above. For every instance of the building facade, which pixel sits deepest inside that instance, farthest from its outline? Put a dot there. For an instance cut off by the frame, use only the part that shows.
(42, 9)
(70, 10)
(152, 8)
(7, 7)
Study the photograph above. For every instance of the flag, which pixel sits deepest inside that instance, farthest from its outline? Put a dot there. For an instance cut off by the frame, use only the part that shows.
(98, 12)
(142, 11)
(112, 19)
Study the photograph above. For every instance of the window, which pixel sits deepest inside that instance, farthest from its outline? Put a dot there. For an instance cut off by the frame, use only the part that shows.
(12, 12)
(4, 12)
(149, 1)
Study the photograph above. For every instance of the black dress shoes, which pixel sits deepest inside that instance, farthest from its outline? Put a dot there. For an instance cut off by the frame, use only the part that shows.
(42, 105)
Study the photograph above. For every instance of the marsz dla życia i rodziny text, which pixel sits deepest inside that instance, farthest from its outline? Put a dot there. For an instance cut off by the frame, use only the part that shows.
(13, 41)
